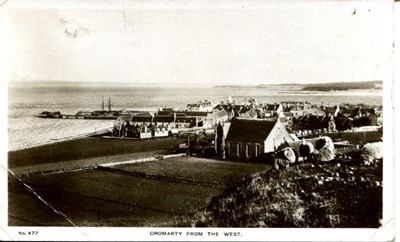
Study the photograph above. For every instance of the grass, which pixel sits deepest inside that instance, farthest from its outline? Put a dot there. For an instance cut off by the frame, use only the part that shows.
(25, 209)
(98, 197)
(86, 148)
(325, 195)
(199, 169)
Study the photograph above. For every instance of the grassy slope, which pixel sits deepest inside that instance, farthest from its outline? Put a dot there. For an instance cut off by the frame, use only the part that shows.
(326, 195)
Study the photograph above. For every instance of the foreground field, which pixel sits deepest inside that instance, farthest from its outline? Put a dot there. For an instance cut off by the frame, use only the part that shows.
(146, 194)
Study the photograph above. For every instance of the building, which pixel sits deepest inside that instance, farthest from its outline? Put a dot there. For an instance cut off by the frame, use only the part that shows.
(228, 107)
(213, 119)
(201, 106)
(272, 110)
(142, 118)
(248, 139)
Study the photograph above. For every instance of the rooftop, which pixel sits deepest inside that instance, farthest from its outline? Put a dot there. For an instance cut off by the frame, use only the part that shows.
(250, 130)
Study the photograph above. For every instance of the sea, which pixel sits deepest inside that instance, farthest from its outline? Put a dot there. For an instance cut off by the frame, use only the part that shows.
(25, 129)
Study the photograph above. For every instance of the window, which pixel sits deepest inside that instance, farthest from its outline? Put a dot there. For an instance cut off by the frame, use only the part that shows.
(247, 150)
(257, 150)
(238, 149)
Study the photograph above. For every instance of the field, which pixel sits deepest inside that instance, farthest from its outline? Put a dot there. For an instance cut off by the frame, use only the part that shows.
(87, 148)
(191, 169)
(145, 194)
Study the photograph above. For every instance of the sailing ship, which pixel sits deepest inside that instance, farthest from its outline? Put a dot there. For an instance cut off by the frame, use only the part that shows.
(97, 114)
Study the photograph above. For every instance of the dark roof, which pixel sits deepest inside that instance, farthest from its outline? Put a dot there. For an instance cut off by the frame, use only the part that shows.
(271, 107)
(250, 130)
(330, 109)
(245, 109)
(287, 109)
(164, 118)
(141, 119)
(143, 114)
(227, 107)
(162, 112)
(237, 108)
(193, 113)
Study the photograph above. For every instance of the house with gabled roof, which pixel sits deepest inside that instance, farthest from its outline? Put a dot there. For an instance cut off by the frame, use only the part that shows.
(215, 118)
(142, 118)
(248, 139)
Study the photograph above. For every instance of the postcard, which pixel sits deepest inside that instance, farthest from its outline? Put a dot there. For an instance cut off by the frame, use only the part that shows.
(198, 120)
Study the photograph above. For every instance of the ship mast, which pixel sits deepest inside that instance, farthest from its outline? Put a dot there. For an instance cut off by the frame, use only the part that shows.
(102, 104)
(109, 104)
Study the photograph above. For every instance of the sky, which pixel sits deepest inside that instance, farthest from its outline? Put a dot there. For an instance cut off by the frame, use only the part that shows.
(199, 42)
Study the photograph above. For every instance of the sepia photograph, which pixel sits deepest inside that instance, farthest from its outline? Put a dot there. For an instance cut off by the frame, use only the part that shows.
(197, 120)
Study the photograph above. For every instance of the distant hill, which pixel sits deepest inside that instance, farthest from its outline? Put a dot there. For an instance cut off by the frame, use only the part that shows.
(330, 86)
(341, 86)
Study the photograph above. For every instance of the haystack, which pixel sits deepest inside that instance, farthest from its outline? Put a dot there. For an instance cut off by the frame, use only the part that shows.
(324, 154)
(324, 149)
(284, 157)
(324, 141)
(372, 152)
(306, 148)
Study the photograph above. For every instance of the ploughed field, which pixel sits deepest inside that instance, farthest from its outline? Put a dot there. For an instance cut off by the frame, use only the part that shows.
(154, 193)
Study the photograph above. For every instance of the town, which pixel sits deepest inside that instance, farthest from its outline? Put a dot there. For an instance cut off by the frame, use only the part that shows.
(258, 132)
